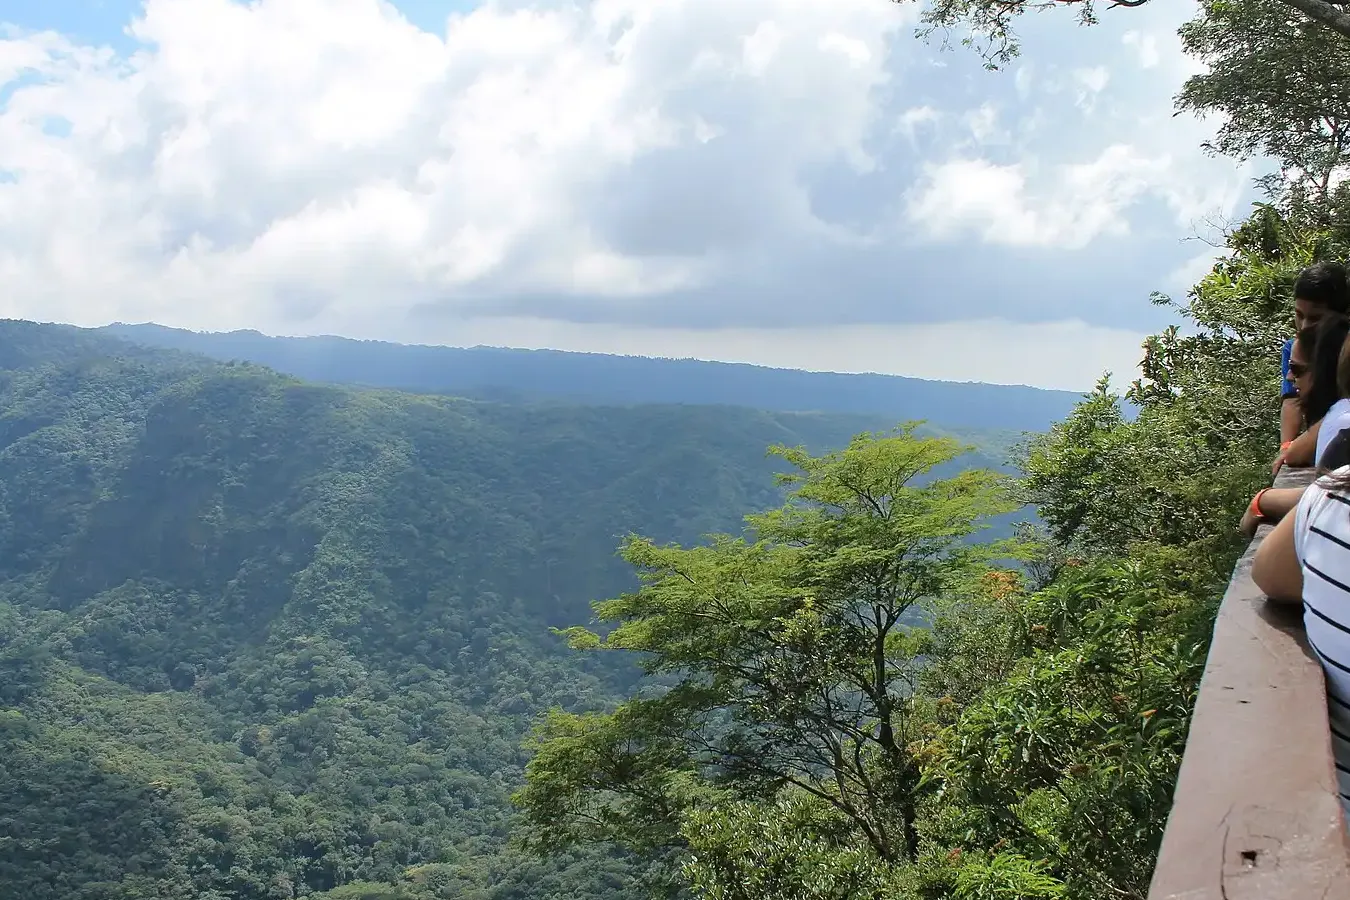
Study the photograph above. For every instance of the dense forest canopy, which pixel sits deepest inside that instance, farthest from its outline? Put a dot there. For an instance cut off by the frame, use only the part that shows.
(264, 638)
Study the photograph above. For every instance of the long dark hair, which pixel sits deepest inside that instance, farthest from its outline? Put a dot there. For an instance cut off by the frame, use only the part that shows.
(1321, 345)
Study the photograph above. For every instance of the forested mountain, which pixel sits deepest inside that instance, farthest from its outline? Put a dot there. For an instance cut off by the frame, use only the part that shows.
(261, 638)
(598, 378)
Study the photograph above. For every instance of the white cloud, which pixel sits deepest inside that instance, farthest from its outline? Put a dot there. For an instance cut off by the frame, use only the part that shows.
(984, 125)
(911, 119)
(1060, 206)
(324, 165)
(1145, 45)
(250, 150)
(1069, 188)
(1090, 83)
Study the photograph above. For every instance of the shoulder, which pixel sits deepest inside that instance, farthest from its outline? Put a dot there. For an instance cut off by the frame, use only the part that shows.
(1334, 422)
(1325, 505)
(1325, 493)
(1327, 487)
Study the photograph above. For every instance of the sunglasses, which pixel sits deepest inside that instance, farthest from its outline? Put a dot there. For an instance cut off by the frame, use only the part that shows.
(1297, 370)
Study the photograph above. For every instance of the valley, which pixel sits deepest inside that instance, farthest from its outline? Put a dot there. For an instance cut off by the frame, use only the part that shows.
(261, 637)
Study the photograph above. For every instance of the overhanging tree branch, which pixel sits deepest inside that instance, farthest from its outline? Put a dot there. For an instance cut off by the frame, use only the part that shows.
(1324, 13)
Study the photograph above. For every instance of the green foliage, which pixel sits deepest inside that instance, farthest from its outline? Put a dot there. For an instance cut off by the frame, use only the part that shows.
(1070, 698)
(1278, 82)
(267, 639)
(261, 639)
(1005, 876)
(806, 737)
(793, 654)
(1206, 428)
(365, 890)
(1066, 751)
(791, 846)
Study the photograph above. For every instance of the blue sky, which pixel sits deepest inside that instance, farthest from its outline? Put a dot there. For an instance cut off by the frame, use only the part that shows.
(105, 21)
(772, 181)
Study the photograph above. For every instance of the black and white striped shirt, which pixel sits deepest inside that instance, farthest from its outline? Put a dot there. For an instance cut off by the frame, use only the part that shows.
(1322, 542)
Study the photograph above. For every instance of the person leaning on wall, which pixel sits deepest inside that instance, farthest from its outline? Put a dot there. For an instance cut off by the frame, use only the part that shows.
(1322, 399)
(1319, 365)
(1320, 290)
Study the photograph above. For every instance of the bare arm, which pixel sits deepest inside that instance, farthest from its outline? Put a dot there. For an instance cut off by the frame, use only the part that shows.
(1276, 568)
(1302, 452)
(1276, 503)
(1291, 419)
(1296, 450)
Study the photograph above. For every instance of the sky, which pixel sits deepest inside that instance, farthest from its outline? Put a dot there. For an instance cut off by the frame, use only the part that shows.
(797, 183)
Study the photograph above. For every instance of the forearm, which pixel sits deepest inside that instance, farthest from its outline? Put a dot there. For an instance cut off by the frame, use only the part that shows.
(1276, 503)
(1302, 452)
(1291, 419)
(1269, 505)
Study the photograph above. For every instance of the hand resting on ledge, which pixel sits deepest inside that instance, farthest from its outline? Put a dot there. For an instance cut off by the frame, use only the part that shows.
(1269, 506)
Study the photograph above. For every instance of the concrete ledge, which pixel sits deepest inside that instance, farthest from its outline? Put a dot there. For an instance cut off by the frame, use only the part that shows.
(1256, 813)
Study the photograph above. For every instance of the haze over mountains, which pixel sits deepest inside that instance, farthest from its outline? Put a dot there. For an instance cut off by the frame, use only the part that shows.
(593, 378)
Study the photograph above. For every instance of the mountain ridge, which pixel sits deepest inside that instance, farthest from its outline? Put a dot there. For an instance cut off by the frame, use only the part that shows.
(605, 379)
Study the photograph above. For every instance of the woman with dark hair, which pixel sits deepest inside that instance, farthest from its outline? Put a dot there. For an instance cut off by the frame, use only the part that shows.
(1321, 347)
(1306, 560)
(1314, 367)
(1320, 369)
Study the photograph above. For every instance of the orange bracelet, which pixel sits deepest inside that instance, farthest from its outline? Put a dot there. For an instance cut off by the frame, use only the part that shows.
(1255, 508)
(1286, 445)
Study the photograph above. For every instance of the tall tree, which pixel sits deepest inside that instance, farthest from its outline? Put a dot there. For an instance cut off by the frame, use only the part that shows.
(792, 655)
(1280, 83)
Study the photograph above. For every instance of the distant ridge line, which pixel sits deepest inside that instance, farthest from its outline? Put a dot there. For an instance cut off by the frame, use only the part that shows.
(619, 379)
(129, 329)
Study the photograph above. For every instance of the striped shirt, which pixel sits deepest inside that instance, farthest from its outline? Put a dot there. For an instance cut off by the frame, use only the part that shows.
(1322, 542)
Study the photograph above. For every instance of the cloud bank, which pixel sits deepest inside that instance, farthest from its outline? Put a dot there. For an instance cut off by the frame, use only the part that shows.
(782, 181)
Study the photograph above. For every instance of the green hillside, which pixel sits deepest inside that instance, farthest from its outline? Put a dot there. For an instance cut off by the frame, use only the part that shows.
(261, 638)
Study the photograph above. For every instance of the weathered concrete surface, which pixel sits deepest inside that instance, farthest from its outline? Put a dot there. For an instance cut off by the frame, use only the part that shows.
(1256, 813)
